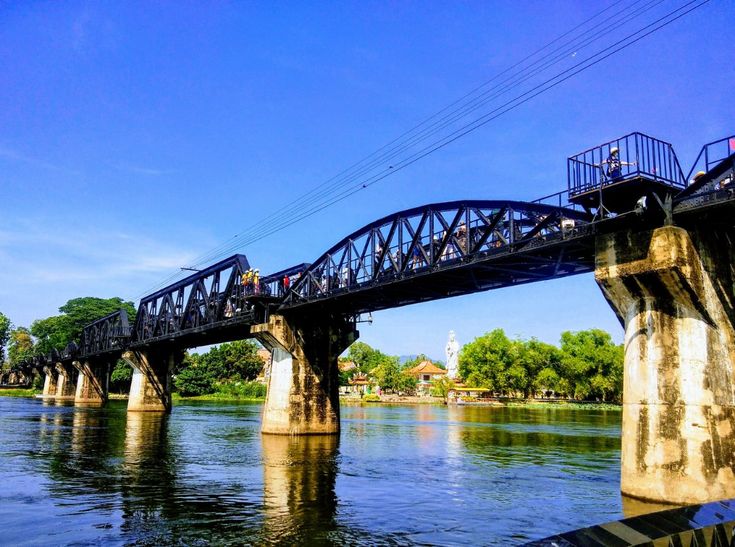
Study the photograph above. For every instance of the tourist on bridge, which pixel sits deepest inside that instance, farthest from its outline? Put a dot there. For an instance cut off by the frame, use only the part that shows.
(415, 257)
(614, 165)
(247, 281)
(256, 281)
(698, 176)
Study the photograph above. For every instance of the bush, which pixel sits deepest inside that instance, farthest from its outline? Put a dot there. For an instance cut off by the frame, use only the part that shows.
(194, 381)
(371, 398)
(241, 390)
(121, 376)
(38, 382)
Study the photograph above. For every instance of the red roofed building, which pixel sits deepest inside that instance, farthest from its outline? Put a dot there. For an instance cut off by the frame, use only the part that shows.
(425, 372)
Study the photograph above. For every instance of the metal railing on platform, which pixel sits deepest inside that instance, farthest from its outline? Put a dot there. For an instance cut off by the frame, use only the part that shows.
(631, 156)
(711, 154)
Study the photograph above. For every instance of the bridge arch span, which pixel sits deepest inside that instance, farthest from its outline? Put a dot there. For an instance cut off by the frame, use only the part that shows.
(421, 247)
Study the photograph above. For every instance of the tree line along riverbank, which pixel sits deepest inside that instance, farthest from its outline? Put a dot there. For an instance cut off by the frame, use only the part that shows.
(585, 366)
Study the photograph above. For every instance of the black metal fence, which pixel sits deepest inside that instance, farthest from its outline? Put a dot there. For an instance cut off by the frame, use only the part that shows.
(110, 333)
(631, 156)
(712, 154)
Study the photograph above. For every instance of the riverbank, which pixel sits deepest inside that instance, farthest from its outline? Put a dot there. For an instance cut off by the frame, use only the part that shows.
(215, 397)
(350, 400)
(219, 397)
(18, 392)
(499, 402)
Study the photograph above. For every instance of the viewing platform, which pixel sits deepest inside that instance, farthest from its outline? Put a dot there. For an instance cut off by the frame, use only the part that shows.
(613, 176)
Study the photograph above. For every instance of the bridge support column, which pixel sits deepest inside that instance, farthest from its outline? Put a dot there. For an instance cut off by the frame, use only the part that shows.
(49, 383)
(673, 291)
(150, 388)
(66, 382)
(303, 388)
(92, 383)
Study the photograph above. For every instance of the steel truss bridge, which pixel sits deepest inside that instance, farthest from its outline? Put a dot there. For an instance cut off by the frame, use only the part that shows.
(435, 251)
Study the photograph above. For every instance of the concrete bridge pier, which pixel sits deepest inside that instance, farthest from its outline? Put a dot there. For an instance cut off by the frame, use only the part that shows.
(303, 388)
(49, 383)
(150, 388)
(92, 383)
(673, 290)
(66, 382)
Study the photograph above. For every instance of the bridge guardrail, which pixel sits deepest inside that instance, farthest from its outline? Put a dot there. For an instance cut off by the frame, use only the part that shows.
(631, 156)
(109, 333)
(711, 154)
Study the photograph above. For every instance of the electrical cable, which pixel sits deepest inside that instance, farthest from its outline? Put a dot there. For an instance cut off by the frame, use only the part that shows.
(269, 228)
(299, 203)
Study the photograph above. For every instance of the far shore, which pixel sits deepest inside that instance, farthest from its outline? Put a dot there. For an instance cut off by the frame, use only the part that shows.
(352, 400)
(495, 401)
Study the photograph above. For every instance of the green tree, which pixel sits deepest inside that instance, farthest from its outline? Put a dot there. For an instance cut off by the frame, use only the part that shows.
(194, 380)
(492, 361)
(366, 358)
(592, 364)
(231, 361)
(57, 331)
(120, 377)
(541, 362)
(405, 383)
(387, 373)
(440, 387)
(20, 346)
(5, 327)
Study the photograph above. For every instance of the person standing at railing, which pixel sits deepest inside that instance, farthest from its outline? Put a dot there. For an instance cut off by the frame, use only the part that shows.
(245, 281)
(614, 165)
(256, 281)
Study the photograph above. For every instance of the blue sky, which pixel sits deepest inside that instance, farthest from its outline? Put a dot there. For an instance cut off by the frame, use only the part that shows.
(137, 136)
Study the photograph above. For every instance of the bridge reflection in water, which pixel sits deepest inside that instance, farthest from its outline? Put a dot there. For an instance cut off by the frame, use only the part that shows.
(299, 475)
(400, 475)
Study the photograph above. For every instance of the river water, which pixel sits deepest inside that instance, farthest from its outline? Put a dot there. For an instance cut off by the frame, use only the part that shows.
(397, 475)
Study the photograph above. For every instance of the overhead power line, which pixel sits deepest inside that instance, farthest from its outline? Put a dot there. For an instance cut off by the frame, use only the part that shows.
(350, 180)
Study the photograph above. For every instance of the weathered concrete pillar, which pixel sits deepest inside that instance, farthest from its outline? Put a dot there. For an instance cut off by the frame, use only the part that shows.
(150, 388)
(303, 388)
(674, 293)
(66, 382)
(49, 384)
(92, 383)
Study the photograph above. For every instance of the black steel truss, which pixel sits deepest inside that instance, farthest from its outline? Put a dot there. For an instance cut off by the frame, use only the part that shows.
(421, 254)
(212, 298)
(108, 334)
(427, 240)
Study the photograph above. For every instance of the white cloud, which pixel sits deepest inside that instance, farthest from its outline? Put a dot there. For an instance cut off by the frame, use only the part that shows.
(142, 170)
(15, 156)
(43, 264)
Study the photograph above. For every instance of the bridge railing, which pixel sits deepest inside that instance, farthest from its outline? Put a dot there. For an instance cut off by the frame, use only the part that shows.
(421, 240)
(279, 283)
(712, 154)
(215, 295)
(638, 155)
(110, 333)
